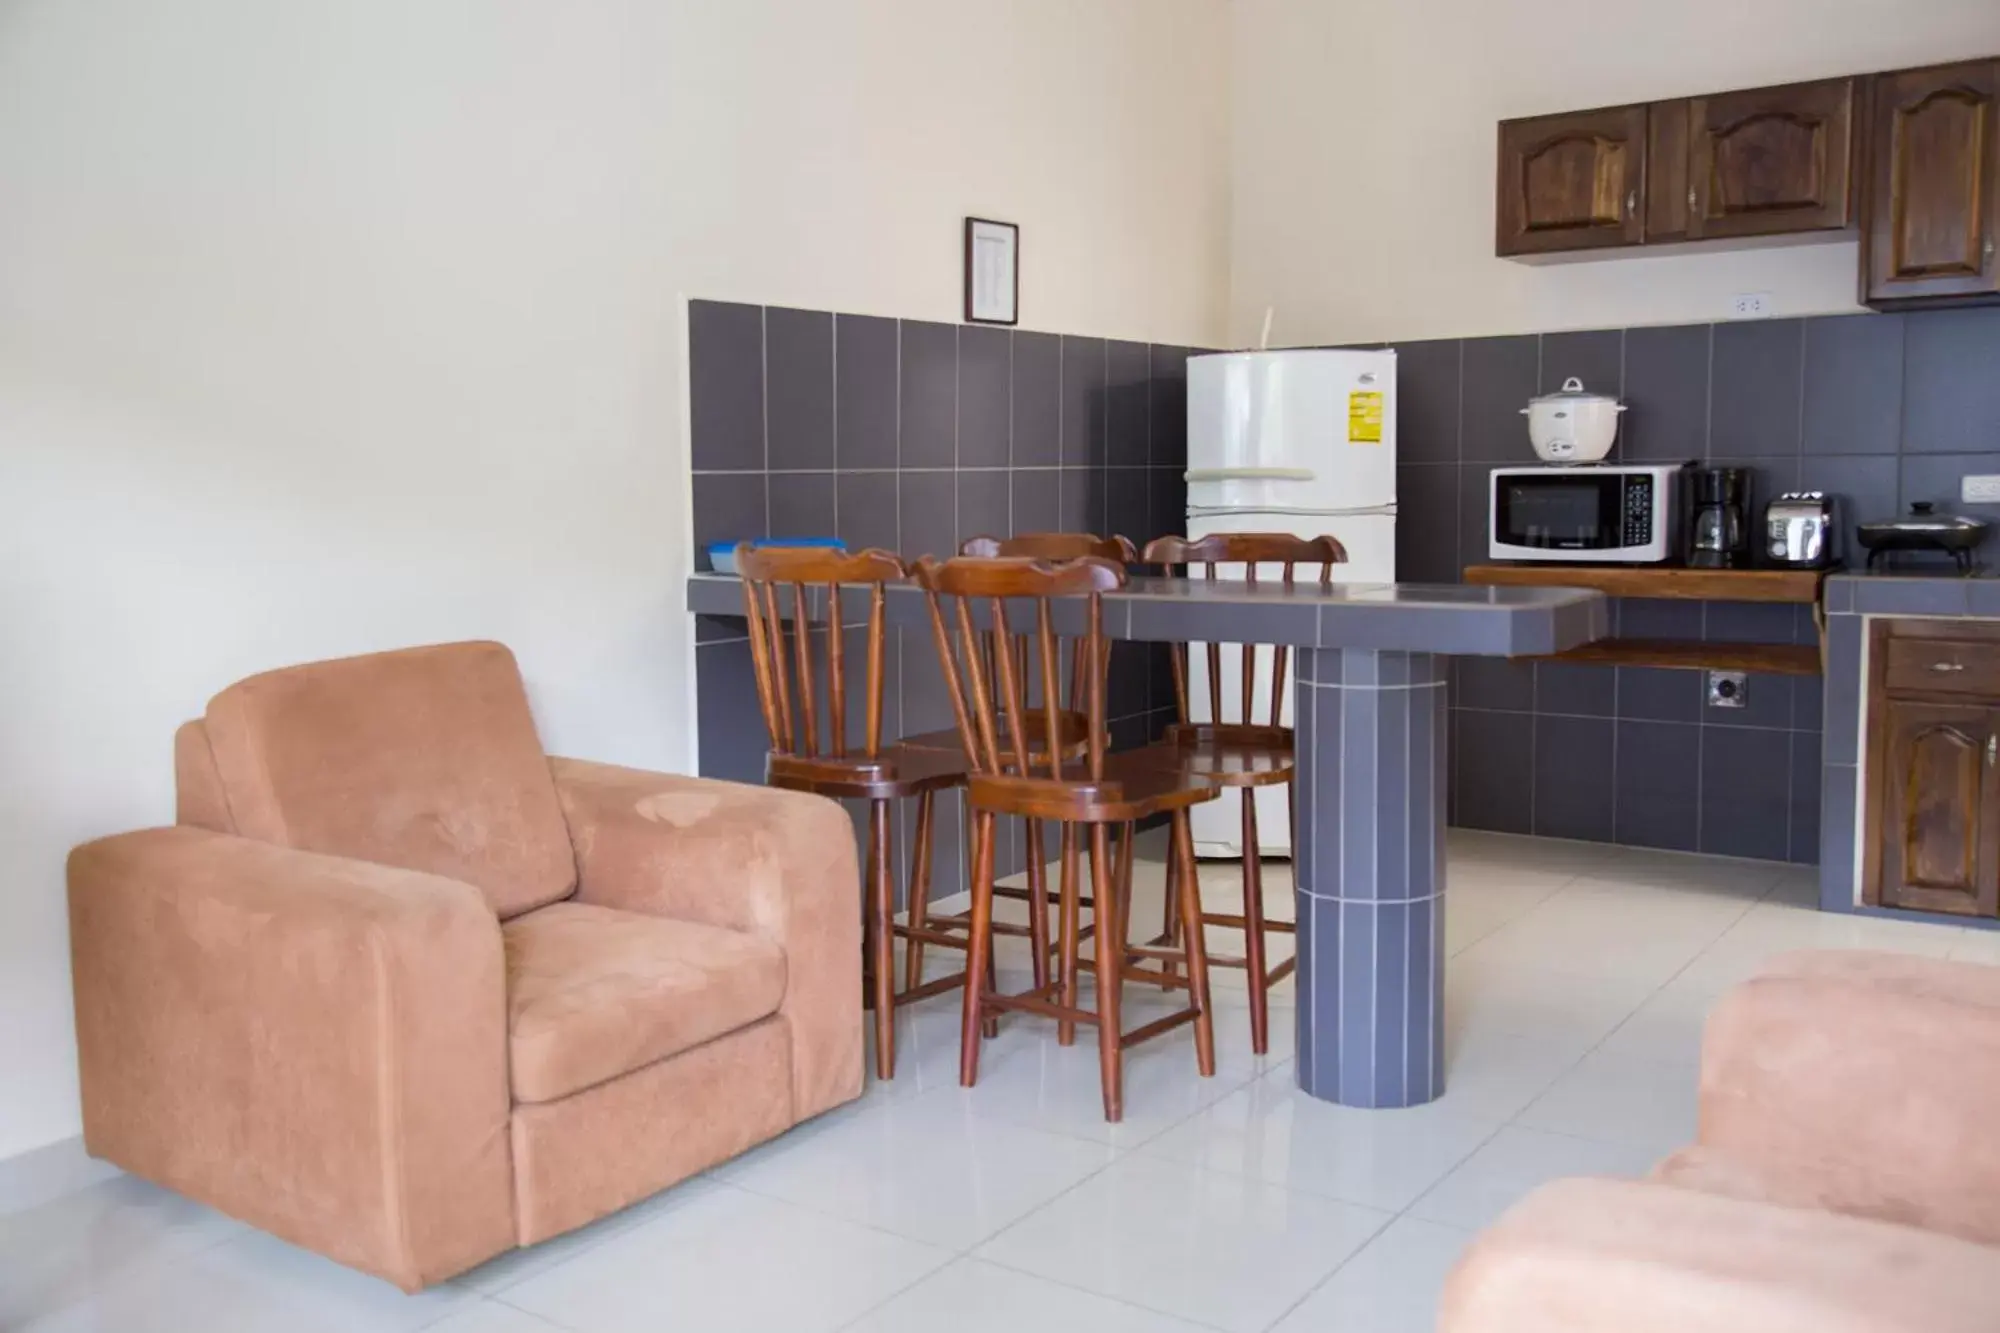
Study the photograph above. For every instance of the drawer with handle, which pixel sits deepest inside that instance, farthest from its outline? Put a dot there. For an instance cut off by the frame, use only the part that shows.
(1950, 666)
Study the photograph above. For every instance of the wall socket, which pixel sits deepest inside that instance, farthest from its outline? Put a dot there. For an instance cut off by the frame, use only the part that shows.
(1751, 305)
(1979, 489)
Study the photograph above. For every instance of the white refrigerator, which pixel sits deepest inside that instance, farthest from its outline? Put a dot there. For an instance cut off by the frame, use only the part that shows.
(1299, 441)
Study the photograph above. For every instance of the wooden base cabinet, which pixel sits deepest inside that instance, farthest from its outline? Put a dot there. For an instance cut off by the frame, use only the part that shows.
(1933, 800)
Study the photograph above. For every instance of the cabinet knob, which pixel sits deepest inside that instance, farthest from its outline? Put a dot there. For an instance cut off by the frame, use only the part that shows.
(1947, 667)
(1632, 206)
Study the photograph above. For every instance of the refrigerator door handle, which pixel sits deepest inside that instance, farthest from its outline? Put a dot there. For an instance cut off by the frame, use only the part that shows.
(1196, 474)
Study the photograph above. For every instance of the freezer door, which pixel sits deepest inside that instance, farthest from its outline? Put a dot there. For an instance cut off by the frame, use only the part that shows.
(1292, 431)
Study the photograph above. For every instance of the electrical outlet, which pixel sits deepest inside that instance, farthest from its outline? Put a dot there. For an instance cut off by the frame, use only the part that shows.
(1725, 689)
(1751, 305)
(1979, 489)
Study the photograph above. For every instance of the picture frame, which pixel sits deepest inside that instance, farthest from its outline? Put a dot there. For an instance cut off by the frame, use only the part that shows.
(992, 272)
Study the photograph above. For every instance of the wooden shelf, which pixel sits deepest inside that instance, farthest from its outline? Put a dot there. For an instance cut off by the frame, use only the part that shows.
(1782, 659)
(1674, 581)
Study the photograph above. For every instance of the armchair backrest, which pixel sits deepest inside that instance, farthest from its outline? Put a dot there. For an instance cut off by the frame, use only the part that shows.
(425, 758)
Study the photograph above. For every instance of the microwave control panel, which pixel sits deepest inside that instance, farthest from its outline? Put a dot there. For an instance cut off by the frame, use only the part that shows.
(1638, 509)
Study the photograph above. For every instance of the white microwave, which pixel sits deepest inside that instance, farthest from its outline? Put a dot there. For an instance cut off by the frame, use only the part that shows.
(1599, 513)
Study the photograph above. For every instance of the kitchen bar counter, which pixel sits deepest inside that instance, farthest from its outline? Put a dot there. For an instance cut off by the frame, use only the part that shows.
(1369, 709)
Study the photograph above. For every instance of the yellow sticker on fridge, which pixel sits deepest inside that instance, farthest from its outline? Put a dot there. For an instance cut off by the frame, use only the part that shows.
(1364, 417)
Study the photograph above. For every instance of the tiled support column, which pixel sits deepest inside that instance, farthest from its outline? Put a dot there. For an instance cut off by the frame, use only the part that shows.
(1369, 869)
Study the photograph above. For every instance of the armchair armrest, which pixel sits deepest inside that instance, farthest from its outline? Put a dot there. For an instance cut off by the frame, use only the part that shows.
(315, 1045)
(779, 864)
(1618, 1256)
(1863, 1082)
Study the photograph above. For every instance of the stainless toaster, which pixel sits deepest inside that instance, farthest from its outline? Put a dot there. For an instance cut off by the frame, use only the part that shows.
(1799, 530)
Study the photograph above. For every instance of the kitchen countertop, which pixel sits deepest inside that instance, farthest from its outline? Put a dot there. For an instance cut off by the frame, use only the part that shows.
(1914, 594)
(1403, 617)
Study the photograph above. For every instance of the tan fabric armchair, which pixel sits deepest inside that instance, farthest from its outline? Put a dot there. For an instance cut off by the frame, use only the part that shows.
(402, 990)
(1846, 1177)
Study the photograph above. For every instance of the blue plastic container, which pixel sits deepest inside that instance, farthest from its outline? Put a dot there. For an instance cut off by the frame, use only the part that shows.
(722, 555)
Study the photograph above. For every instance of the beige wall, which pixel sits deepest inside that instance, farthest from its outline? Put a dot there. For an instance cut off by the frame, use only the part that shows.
(1363, 133)
(332, 327)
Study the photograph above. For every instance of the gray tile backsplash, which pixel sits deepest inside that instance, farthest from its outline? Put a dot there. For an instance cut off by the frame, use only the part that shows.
(913, 436)
(1879, 410)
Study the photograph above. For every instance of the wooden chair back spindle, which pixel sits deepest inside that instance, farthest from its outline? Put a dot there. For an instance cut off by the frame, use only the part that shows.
(991, 675)
(1249, 549)
(812, 571)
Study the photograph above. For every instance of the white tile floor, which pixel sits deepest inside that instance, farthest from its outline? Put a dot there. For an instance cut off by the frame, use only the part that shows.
(1578, 981)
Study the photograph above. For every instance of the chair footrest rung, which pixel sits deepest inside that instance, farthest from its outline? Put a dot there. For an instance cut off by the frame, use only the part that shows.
(1159, 976)
(935, 986)
(1236, 921)
(1179, 1018)
(931, 935)
(1031, 1002)
(1051, 896)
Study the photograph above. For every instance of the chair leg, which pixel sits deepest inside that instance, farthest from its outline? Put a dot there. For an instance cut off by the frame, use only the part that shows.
(1110, 955)
(978, 951)
(1170, 913)
(1253, 928)
(920, 892)
(1038, 904)
(1197, 946)
(1070, 900)
(882, 938)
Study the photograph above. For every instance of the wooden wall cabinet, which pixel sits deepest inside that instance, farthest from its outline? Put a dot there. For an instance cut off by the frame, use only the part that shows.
(1910, 159)
(1931, 837)
(1571, 182)
(1932, 216)
(1768, 161)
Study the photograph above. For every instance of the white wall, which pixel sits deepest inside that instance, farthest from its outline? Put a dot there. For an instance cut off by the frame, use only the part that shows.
(1364, 151)
(330, 327)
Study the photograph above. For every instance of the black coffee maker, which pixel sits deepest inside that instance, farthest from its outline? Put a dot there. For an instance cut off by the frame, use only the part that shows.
(1719, 518)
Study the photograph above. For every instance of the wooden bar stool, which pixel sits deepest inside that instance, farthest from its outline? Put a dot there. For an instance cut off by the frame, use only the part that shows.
(1070, 719)
(871, 772)
(1245, 754)
(991, 682)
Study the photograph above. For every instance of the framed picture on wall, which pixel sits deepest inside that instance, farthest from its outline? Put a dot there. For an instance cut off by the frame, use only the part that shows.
(992, 272)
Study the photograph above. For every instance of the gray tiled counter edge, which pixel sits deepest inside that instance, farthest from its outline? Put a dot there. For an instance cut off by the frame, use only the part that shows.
(1369, 709)
(1850, 600)
(1424, 618)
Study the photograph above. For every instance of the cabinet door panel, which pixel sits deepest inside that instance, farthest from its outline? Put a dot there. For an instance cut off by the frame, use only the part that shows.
(1937, 830)
(1934, 150)
(1667, 171)
(1571, 182)
(1771, 160)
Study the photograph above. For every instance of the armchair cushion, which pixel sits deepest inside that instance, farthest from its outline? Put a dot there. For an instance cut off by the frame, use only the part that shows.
(425, 758)
(1863, 1082)
(776, 864)
(593, 992)
(1584, 1256)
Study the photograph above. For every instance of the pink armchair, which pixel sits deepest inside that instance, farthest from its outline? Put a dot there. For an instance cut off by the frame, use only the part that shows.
(402, 990)
(1846, 1176)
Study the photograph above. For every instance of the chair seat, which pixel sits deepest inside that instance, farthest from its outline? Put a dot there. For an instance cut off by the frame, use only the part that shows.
(593, 992)
(895, 772)
(1228, 755)
(1135, 785)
